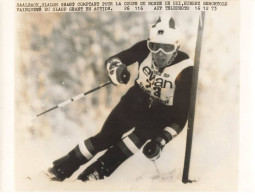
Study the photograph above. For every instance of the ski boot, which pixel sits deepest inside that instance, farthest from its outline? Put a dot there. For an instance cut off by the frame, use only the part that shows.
(111, 159)
(64, 167)
(104, 166)
(94, 172)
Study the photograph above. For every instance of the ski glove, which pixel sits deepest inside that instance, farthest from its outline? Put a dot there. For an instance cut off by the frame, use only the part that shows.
(117, 72)
(152, 150)
(154, 147)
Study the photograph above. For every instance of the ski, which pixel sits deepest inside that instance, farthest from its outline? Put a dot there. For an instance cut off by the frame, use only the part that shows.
(185, 176)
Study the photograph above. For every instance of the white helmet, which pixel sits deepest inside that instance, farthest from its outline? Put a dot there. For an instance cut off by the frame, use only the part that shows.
(164, 32)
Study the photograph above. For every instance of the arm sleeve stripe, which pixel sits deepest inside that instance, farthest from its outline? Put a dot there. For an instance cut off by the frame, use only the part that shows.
(161, 140)
(171, 131)
(167, 136)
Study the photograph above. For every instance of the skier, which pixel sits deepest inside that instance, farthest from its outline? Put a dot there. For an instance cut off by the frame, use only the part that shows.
(156, 106)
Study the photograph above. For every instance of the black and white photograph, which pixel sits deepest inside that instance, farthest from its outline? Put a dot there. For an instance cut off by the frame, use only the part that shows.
(127, 96)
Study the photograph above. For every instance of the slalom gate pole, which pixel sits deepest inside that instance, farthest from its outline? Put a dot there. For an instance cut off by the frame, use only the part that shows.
(185, 176)
(75, 98)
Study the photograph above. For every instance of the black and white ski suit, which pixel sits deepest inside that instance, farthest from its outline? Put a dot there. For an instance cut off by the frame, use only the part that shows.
(156, 104)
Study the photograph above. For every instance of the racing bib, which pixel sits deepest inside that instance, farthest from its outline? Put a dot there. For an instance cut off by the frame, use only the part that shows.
(160, 85)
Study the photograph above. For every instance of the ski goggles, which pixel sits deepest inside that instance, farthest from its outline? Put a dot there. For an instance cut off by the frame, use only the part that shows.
(165, 48)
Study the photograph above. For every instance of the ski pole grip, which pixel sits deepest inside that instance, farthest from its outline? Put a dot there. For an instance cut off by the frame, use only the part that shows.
(152, 150)
(125, 76)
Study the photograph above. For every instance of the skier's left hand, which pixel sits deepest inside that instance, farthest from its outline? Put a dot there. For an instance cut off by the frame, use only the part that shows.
(152, 150)
(154, 147)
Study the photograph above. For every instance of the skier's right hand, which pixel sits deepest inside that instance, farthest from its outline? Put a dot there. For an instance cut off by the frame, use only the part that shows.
(118, 72)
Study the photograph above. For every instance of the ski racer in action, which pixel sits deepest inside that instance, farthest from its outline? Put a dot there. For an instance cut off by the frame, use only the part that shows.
(156, 106)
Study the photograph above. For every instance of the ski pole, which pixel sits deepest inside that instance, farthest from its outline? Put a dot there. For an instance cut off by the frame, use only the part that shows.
(185, 175)
(75, 98)
(156, 167)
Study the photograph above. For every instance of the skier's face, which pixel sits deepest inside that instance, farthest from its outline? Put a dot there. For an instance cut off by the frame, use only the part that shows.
(161, 59)
(161, 53)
